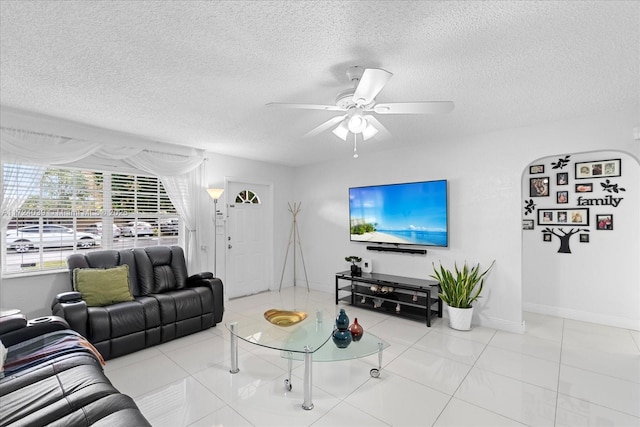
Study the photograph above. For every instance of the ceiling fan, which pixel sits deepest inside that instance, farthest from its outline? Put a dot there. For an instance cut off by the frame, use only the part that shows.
(358, 103)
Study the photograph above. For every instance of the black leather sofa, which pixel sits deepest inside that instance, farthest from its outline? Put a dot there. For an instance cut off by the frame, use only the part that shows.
(167, 303)
(52, 377)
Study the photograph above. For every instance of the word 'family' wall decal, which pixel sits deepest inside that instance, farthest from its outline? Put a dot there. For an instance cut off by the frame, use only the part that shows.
(604, 201)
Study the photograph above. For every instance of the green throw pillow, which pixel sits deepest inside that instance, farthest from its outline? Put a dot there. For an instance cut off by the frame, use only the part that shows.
(103, 286)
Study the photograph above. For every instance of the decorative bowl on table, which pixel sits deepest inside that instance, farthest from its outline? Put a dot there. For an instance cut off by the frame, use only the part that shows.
(284, 317)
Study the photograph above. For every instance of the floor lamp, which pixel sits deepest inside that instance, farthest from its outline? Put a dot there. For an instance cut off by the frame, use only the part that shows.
(215, 194)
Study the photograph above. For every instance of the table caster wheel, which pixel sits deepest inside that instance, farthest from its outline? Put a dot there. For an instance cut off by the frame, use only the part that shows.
(287, 385)
(375, 373)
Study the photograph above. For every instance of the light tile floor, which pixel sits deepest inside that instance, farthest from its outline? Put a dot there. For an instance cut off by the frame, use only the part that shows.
(559, 373)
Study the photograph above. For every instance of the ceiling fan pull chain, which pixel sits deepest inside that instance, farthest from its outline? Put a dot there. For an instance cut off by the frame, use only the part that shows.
(355, 146)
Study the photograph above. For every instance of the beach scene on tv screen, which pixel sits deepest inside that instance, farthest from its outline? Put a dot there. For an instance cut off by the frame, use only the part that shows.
(411, 214)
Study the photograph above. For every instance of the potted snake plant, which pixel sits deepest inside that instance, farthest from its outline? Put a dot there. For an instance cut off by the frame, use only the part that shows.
(459, 289)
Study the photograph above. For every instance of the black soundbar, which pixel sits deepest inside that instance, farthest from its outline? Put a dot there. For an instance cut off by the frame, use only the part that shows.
(402, 250)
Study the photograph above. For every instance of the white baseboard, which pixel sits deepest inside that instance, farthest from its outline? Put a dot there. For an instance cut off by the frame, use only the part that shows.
(584, 316)
(501, 324)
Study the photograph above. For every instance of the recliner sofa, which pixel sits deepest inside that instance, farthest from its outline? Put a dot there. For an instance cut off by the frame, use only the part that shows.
(53, 377)
(166, 302)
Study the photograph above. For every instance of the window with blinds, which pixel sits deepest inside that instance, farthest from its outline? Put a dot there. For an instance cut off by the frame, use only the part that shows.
(73, 210)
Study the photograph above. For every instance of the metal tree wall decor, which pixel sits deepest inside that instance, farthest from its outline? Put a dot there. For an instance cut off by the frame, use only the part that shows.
(565, 237)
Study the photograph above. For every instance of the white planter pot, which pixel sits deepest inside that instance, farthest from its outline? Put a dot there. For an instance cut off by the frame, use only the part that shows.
(460, 318)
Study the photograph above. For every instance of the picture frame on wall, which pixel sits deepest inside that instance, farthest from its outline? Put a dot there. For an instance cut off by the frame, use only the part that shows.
(587, 187)
(536, 169)
(604, 222)
(539, 187)
(598, 169)
(527, 224)
(562, 197)
(546, 237)
(584, 238)
(565, 216)
(562, 178)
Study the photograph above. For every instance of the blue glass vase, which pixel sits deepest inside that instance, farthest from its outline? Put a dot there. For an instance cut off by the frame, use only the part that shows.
(341, 334)
(341, 339)
(342, 320)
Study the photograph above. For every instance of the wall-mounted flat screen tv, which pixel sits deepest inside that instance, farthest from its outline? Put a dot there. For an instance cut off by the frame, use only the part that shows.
(414, 213)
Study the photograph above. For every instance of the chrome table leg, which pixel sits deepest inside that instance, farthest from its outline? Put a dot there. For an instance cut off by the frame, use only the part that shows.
(308, 359)
(234, 348)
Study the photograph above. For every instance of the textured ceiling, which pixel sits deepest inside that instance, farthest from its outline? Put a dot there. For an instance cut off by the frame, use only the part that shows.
(199, 73)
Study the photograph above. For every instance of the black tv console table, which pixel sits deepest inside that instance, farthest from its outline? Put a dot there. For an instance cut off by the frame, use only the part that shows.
(409, 298)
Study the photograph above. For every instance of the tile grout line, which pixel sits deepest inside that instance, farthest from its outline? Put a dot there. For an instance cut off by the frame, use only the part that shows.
(462, 381)
(555, 415)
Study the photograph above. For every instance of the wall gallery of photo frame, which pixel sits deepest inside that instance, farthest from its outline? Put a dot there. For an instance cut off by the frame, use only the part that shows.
(527, 224)
(604, 222)
(573, 216)
(598, 169)
(562, 178)
(562, 197)
(539, 187)
(533, 169)
(584, 188)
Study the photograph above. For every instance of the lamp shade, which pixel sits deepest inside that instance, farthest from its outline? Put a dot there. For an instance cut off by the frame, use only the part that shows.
(215, 193)
(369, 132)
(341, 131)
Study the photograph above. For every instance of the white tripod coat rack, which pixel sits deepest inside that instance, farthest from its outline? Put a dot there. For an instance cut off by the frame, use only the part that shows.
(294, 237)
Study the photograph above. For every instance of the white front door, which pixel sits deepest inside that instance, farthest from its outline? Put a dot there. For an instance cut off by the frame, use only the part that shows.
(247, 266)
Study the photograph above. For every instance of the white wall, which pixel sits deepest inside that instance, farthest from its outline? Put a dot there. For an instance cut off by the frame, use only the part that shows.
(484, 173)
(599, 281)
(33, 294)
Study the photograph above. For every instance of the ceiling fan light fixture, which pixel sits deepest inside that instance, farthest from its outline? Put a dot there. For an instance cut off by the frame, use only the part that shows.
(369, 132)
(341, 131)
(357, 123)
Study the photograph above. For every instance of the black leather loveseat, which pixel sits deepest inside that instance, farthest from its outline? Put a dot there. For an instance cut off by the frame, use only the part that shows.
(53, 377)
(162, 301)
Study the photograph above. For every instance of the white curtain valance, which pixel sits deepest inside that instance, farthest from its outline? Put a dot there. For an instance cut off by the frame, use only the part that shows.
(116, 152)
(27, 147)
(179, 174)
(22, 146)
(164, 164)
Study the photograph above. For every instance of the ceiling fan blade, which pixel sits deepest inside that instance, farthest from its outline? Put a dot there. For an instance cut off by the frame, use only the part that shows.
(434, 107)
(370, 85)
(324, 126)
(305, 106)
(382, 131)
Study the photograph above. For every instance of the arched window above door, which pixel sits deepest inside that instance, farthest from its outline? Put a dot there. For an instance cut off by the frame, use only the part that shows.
(248, 197)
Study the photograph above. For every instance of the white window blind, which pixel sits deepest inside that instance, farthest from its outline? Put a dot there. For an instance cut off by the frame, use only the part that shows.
(75, 210)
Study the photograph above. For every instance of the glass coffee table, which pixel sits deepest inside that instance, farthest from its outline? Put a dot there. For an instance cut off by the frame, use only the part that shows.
(309, 341)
